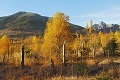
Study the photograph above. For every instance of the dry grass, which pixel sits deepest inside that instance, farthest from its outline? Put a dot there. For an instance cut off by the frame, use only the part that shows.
(53, 78)
(117, 60)
(72, 78)
(33, 71)
(104, 61)
(90, 62)
(27, 78)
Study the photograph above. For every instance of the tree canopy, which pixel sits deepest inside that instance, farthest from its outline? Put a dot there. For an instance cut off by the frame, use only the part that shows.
(57, 31)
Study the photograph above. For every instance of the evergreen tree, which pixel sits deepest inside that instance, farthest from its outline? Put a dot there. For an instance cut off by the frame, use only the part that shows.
(111, 47)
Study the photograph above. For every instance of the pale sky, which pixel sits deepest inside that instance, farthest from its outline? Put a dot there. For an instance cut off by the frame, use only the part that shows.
(79, 11)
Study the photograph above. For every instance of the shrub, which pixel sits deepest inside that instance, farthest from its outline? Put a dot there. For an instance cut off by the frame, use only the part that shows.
(103, 76)
(81, 69)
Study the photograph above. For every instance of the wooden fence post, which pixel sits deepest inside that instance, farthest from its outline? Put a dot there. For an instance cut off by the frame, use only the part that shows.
(51, 67)
(94, 51)
(22, 63)
(64, 62)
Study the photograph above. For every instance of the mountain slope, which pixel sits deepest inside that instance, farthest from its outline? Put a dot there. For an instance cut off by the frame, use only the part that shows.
(22, 19)
(28, 22)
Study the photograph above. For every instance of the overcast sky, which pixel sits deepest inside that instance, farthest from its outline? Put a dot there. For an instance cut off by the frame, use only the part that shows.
(79, 11)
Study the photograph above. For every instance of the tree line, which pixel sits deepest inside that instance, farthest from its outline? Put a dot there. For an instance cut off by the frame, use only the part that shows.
(50, 45)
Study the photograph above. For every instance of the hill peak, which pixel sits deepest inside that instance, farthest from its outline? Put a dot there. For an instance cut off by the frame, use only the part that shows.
(25, 13)
(28, 22)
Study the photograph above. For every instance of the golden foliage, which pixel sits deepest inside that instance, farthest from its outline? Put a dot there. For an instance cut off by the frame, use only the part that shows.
(35, 44)
(76, 43)
(87, 28)
(76, 34)
(117, 36)
(104, 38)
(91, 29)
(4, 44)
(90, 62)
(56, 33)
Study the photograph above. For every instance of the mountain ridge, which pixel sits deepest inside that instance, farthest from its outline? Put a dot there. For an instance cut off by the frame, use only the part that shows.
(27, 24)
(31, 22)
(102, 26)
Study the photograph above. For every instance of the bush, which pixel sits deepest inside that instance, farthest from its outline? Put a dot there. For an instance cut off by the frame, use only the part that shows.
(81, 69)
(103, 76)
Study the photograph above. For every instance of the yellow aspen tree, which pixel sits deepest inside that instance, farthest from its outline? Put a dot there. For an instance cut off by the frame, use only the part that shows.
(98, 43)
(90, 36)
(117, 36)
(76, 43)
(76, 34)
(87, 40)
(35, 44)
(103, 41)
(100, 33)
(99, 39)
(94, 44)
(1, 50)
(87, 28)
(93, 39)
(57, 31)
(111, 34)
(104, 38)
(34, 39)
(4, 44)
(81, 38)
(91, 28)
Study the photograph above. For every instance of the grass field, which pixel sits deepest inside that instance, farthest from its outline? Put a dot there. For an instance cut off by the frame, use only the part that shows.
(97, 68)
